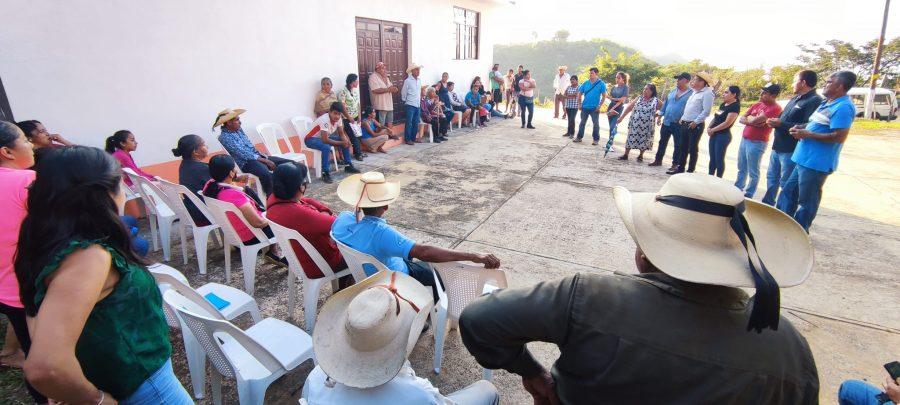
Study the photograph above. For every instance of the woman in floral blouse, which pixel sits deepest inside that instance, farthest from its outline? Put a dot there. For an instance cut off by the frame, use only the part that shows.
(349, 97)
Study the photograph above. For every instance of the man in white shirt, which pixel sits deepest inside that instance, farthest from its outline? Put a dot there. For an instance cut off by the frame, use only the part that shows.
(693, 122)
(382, 95)
(560, 84)
(411, 94)
(361, 340)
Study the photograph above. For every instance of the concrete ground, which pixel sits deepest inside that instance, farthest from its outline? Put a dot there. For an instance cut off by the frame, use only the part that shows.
(544, 206)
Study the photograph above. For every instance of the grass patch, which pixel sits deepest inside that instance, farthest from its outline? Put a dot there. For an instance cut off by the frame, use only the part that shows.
(861, 124)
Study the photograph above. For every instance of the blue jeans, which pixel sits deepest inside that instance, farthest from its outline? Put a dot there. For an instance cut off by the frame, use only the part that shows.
(718, 144)
(595, 116)
(161, 388)
(526, 104)
(801, 195)
(138, 244)
(413, 117)
(318, 144)
(855, 392)
(666, 132)
(613, 128)
(749, 155)
(780, 168)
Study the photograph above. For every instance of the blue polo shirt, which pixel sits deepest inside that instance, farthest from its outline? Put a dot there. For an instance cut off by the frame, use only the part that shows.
(673, 109)
(373, 236)
(830, 116)
(592, 93)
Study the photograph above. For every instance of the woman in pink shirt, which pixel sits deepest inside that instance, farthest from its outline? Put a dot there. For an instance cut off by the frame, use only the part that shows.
(120, 145)
(221, 187)
(16, 156)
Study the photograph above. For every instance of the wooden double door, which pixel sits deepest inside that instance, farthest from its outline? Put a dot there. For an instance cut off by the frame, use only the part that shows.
(382, 41)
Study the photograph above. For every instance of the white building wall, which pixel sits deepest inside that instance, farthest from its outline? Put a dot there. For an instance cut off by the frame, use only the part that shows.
(164, 68)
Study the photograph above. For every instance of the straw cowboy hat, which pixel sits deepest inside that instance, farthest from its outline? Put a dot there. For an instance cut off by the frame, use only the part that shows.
(365, 332)
(368, 190)
(412, 67)
(708, 78)
(563, 67)
(692, 229)
(226, 115)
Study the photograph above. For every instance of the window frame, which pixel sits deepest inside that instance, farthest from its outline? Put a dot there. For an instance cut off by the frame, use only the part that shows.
(466, 36)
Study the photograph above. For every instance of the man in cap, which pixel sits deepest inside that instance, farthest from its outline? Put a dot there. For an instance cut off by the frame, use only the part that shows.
(238, 145)
(411, 94)
(370, 195)
(817, 153)
(693, 121)
(382, 95)
(682, 331)
(756, 138)
(669, 115)
(560, 84)
(362, 339)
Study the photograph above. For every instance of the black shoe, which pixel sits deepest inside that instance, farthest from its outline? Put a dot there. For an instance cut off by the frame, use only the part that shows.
(351, 169)
(530, 126)
(342, 163)
(436, 139)
(523, 126)
(577, 140)
(275, 259)
(326, 178)
(674, 170)
(358, 157)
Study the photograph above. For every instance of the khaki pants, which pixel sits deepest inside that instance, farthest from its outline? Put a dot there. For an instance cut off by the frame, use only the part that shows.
(559, 100)
(375, 142)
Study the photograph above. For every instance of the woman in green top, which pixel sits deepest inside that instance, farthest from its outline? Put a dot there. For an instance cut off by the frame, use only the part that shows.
(98, 331)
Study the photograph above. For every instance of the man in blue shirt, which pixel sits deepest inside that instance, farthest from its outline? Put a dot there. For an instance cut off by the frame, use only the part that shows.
(411, 94)
(372, 194)
(594, 92)
(669, 115)
(245, 155)
(817, 153)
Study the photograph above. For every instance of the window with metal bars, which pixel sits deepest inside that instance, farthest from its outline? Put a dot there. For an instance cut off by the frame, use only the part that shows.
(466, 33)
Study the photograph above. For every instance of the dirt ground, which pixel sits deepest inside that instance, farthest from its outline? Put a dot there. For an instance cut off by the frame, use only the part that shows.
(544, 206)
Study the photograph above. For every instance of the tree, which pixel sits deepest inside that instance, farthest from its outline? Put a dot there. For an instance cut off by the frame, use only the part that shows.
(561, 36)
(837, 55)
(641, 69)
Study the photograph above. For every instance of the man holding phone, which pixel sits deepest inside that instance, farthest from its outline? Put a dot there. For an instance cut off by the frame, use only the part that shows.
(856, 392)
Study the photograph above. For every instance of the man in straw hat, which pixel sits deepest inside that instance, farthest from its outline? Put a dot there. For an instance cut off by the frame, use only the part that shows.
(682, 331)
(238, 145)
(370, 194)
(560, 84)
(362, 339)
(411, 94)
(693, 121)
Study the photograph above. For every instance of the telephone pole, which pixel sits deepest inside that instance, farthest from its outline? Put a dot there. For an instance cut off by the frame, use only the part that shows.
(870, 100)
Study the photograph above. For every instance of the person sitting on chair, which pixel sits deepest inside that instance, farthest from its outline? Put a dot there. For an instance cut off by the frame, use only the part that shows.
(328, 132)
(370, 195)
(456, 104)
(238, 145)
(361, 342)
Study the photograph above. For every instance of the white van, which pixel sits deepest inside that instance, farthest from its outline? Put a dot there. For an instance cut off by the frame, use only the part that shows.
(885, 102)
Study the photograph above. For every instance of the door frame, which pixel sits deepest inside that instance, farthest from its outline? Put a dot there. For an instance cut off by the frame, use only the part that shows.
(399, 115)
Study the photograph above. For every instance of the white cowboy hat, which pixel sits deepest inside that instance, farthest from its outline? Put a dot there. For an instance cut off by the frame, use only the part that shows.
(226, 115)
(563, 67)
(703, 248)
(708, 78)
(368, 190)
(412, 67)
(365, 332)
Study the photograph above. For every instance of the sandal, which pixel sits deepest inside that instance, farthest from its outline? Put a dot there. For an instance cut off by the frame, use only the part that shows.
(18, 360)
(623, 157)
(640, 158)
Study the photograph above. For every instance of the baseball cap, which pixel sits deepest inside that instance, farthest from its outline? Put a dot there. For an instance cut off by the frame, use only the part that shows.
(772, 89)
(682, 75)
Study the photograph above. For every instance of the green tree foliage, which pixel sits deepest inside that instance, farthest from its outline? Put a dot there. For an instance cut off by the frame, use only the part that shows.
(836, 55)
(561, 36)
(641, 69)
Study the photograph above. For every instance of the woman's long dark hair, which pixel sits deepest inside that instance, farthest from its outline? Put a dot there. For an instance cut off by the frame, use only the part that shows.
(116, 140)
(220, 166)
(66, 205)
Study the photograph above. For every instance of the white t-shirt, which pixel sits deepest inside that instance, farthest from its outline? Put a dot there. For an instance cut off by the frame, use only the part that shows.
(404, 389)
(323, 123)
(526, 92)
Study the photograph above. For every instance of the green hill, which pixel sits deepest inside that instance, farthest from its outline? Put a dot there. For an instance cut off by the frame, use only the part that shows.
(543, 57)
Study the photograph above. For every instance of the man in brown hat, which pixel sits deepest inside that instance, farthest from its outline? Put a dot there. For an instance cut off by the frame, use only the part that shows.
(682, 331)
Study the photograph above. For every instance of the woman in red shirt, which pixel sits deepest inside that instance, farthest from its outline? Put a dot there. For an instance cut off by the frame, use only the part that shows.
(289, 208)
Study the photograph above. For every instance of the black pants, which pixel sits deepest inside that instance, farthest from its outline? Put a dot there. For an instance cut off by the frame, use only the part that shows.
(438, 126)
(498, 97)
(424, 274)
(571, 113)
(16, 318)
(526, 104)
(690, 145)
(262, 171)
(357, 148)
(666, 132)
(255, 240)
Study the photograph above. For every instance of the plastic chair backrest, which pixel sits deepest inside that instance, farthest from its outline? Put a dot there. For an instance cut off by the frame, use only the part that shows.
(168, 278)
(270, 133)
(153, 196)
(219, 210)
(176, 193)
(213, 333)
(356, 260)
(465, 282)
(284, 236)
(254, 181)
(302, 125)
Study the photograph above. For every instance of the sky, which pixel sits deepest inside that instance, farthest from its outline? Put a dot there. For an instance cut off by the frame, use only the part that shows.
(726, 33)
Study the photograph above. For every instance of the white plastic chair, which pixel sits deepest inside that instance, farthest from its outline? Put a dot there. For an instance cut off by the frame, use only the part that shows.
(176, 193)
(463, 283)
(302, 125)
(159, 214)
(239, 303)
(254, 358)
(458, 115)
(270, 134)
(249, 253)
(311, 286)
(426, 127)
